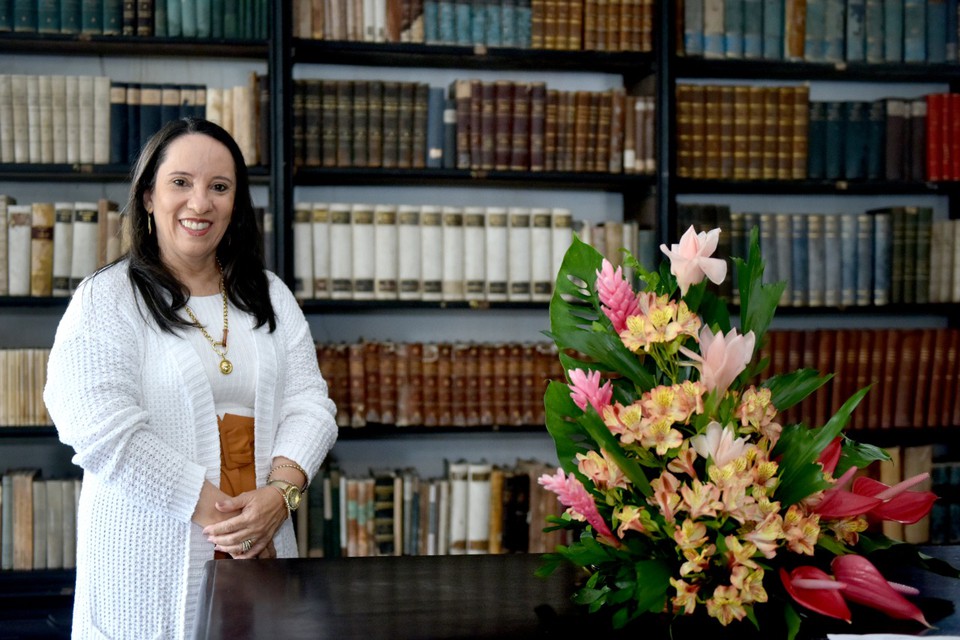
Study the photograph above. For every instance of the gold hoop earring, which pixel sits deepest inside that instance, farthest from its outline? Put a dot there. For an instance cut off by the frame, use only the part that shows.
(149, 225)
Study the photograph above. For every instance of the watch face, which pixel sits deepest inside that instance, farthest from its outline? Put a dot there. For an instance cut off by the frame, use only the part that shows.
(293, 498)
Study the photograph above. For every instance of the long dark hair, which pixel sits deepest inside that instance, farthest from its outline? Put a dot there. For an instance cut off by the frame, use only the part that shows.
(240, 251)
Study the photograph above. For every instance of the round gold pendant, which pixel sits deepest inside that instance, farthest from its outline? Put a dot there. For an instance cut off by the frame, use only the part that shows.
(226, 366)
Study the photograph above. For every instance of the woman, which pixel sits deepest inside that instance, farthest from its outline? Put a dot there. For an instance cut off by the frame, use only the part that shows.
(181, 375)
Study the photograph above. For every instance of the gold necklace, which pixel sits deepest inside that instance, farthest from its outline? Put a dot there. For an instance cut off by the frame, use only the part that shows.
(225, 365)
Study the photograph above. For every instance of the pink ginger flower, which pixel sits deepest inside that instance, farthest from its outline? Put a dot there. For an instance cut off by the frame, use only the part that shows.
(617, 297)
(690, 260)
(585, 389)
(722, 358)
(574, 496)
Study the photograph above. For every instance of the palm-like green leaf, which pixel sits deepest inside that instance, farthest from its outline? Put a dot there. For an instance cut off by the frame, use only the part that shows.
(758, 301)
(791, 388)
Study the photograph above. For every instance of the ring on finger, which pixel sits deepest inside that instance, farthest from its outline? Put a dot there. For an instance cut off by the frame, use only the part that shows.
(246, 544)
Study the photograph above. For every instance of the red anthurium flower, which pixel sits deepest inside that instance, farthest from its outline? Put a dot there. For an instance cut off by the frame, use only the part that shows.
(867, 586)
(830, 456)
(816, 591)
(837, 502)
(897, 504)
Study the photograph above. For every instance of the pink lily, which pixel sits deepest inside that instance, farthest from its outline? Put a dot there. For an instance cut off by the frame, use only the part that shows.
(866, 585)
(617, 297)
(585, 389)
(723, 357)
(897, 504)
(817, 591)
(690, 260)
(572, 494)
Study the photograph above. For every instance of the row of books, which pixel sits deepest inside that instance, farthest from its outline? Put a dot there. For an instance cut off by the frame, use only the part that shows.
(742, 132)
(60, 119)
(38, 521)
(614, 25)
(475, 508)
(945, 514)
(462, 384)
(913, 372)
(872, 31)
(23, 374)
(242, 19)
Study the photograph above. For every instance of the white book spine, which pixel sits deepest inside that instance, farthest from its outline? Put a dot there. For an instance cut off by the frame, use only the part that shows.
(303, 250)
(474, 253)
(408, 252)
(58, 93)
(62, 248)
(385, 255)
(5, 201)
(21, 129)
(478, 508)
(380, 19)
(432, 511)
(72, 108)
(85, 96)
(341, 252)
(431, 253)
(364, 265)
(542, 276)
(561, 237)
(321, 249)
(369, 21)
(113, 233)
(453, 246)
(33, 119)
(101, 120)
(443, 517)
(45, 113)
(20, 220)
(520, 273)
(214, 105)
(495, 241)
(6, 118)
(457, 473)
(83, 259)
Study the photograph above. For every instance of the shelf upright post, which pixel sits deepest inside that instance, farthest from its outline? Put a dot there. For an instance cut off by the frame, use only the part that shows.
(665, 18)
(279, 65)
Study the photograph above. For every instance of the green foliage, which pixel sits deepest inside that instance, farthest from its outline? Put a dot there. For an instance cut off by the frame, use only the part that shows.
(758, 301)
(788, 389)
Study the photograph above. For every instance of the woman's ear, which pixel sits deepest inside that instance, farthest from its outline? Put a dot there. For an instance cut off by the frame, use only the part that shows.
(148, 200)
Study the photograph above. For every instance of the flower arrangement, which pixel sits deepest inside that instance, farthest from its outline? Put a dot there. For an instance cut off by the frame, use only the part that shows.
(684, 493)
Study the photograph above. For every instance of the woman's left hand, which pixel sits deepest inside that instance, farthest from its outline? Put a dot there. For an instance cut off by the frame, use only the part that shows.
(262, 511)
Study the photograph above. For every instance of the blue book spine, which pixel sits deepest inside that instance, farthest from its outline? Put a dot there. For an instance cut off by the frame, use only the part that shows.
(25, 15)
(856, 36)
(882, 249)
(855, 140)
(864, 259)
(462, 22)
(150, 119)
(508, 22)
(893, 30)
(833, 164)
(873, 31)
(112, 17)
(817, 141)
(713, 28)
(693, 27)
(848, 260)
(800, 275)
(118, 123)
(768, 246)
(814, 36)
(936, 31)
(523, 24)
(435, 108)
(447, 21)
(478, 24)
(494, 36)
(783, 254)
(217, 10)
(160, 18)
(831, 260)
(816, 257)
(69, 16)
(174, 20)
(431, 28)
(773, 30)
(733, 28)
(834, 30)
(876, 140)
(188, 18)
(753, 29)
(133, 121)
(953, 30)
(914, 31)
(204, 18)
(48, 16)
(91, 16)
(449, 133)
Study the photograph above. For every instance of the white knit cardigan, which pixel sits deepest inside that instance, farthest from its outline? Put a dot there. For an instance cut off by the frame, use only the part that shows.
(136, 406)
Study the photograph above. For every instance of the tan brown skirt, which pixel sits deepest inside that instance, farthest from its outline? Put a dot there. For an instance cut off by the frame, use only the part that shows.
(237, 468)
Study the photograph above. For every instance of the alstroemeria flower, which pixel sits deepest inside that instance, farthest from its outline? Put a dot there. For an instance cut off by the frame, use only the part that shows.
(573, 495)
(690, 260)
(601, 470)
(617, 297)
(719, 443)
(866, 585)
(816, 590)
(722, 358)
(726, 605)
(585, 388)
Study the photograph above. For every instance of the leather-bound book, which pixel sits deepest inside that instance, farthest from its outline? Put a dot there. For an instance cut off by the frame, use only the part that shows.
(444, 386)
(503, 125)
(418, 142)
(401, 375)
(416, 382)
(41, 249)
(344, 126)
(581, 131)
(460, 91)
(430, 388)
(360, 124)
(537, 126)
(458, 384)
(712, 108)
(374, 123)
(358, 385)
(372, 381)
(390, 126)
(328, 122)
(520, 127)
(405, 125)
(486, 384)
(799, 132)
(387, 382)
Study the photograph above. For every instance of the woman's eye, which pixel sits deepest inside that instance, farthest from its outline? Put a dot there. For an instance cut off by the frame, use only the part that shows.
(179, 182)
(220, 188)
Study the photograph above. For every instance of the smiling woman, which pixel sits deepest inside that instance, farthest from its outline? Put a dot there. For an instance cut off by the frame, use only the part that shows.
(187, 454)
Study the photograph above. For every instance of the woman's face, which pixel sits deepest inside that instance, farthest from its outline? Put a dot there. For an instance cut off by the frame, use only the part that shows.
(192, 201)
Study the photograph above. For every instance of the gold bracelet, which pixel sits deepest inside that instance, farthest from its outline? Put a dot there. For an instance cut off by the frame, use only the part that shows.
(291, 465)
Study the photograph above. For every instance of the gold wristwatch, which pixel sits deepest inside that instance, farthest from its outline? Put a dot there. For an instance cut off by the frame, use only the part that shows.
(290, 492)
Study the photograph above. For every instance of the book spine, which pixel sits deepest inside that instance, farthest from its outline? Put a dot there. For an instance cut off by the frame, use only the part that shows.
(834, 33)
(363, 267)
(800, 259)
(814, 40)
(19, 229)
(865, 242)
(882, 250)
(62, 248)
(893, 30)
(733, 28)
(816, 251)
(831, 260)
(856, 30)
(385, 256)
(873, 31)
(409, 253)
(848, 260)
(41, 249)
(431, 253)
(496, 239)
(773, 30)
(914, 31)
(453, 250)
(693, 27)
(936, 31)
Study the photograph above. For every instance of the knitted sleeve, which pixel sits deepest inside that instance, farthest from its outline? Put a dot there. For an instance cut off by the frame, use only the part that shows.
(93, 393)
(307, 429)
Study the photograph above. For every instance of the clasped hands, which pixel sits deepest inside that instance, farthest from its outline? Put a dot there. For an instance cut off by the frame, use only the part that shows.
(244, 525)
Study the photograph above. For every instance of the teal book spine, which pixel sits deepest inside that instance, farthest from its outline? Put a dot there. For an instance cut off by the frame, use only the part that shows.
(508, 19)
(864, 259)
(91, 16)
(848, 260)
(494, 35)
(876, 145)
(112, 17)
(733, 28)
(231, 27)
(799, 272)
(714, 24)
(753, 28)
(70, 16)
(834, 126)
(217, 9)
(773, 30)
(523, 23)
(893, 30)
(6, 15)
(767, 232)
(882, 250)
(248, 31)
(834, 31)
(150, 120)
(435, 107)
(174, 18)
(447, 21)
(855, 140)
(48, 16)
(873, 31)
(914, 31)
(25, 15)
(814, 36)
(831, 260)
(431, 28)
(817, 141)
(856, 36)
(917, 141)
(478, 23)
(461, 19)
(953, 31)
(204, 18)
(188, 18)
(160, 18)
(816, 258)
(922, 273)
(693, 27)
(936, 31)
